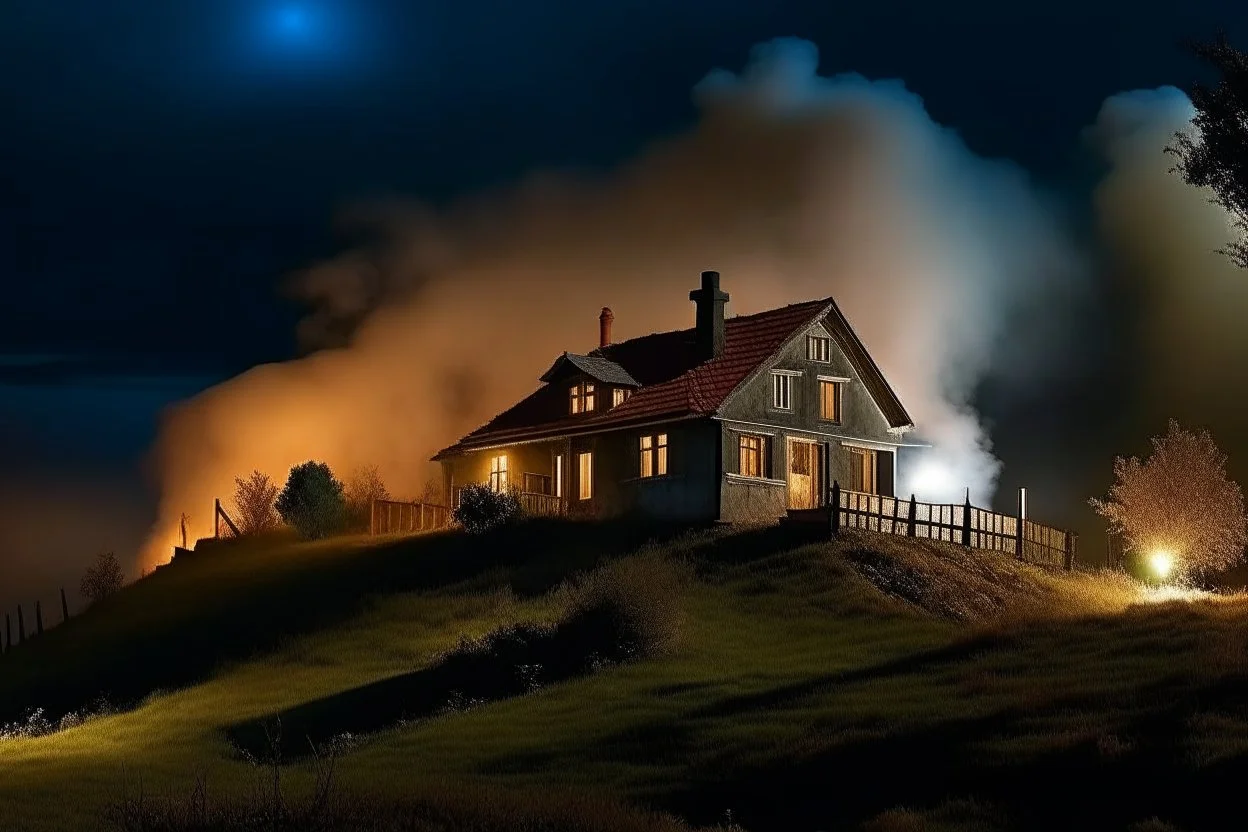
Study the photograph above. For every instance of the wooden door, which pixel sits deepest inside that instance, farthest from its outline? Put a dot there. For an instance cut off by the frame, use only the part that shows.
(803, 474)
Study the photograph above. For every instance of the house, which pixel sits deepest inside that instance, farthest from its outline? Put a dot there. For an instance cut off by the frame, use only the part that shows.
(736, 419)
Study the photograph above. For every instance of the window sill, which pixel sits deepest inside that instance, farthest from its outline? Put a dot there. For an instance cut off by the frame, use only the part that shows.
(754, 480)
(655, 478)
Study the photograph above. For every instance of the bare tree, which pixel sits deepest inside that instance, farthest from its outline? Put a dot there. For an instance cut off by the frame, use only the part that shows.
(434, 493)
(102, 578)
(1179, 501)
(254, 499)
(363, 486)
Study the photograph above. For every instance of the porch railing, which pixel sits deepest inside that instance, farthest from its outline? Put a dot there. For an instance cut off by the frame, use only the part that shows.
(531, 502)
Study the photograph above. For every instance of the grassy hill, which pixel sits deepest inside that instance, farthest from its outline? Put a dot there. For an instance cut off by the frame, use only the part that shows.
(871, 682)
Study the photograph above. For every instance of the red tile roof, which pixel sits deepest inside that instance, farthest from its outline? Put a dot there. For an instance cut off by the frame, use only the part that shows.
(676, 385)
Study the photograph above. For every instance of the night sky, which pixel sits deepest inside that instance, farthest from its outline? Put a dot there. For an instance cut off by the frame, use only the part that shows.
(164, 165)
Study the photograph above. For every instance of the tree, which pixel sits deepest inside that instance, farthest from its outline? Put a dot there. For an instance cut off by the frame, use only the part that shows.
(1179, 501)
(364, 486)
(312, 501)
(1215, 156)
(481, 508)
(253, 500)
(102, 578)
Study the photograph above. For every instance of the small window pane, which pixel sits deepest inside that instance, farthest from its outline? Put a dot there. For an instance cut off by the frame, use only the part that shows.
(830, 401)
(750, 462)
(781, 391)
(585, 469)
(661, 465)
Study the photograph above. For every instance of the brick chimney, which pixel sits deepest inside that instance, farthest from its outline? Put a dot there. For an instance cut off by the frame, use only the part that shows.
(710, 317)
(604, 327)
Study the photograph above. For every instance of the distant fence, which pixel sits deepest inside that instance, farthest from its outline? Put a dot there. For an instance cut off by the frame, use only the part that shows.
(394, 517)
(222, 524)
(968, 525)
(25, 630)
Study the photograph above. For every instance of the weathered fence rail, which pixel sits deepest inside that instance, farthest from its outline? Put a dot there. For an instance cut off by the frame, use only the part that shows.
(395, 517)
(531, 502)
(968, 525)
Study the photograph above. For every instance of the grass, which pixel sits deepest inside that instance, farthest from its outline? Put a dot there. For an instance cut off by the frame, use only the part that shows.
(871, 683)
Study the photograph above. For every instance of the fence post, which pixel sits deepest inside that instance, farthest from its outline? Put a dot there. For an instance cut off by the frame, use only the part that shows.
(1069, 550)
(1022, 523)
(372, 517)
(422, 517)
(8, 633)
(914, 516)
(836, 508)
(966, 520)
(216, 518)
(64, 607)
(21, 625)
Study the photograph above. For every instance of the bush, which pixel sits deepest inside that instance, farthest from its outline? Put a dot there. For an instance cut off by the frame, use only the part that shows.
(102, 578)
(481, 509)
(634, 603)
(364, 486)
(312, 501)
(253, 500)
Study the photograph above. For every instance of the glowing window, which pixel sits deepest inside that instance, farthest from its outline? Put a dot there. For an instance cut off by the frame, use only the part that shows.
(498, 472)
(559, 475)
(751, 455)
(589, 396)
(864, 471)
(618, 396)
(585, 469)
(581, 397)
(653, 451)
(829, 400)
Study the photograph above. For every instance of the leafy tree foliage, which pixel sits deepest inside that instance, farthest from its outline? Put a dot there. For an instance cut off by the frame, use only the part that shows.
(481, 508)
(102, 578)
(1179, 500)
(253, 500)
(312, 501)
(1215, 156)
(364, 486)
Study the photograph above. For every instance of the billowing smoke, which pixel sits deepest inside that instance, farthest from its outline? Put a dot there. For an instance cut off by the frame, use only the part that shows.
(1165, 237)
(792, 185)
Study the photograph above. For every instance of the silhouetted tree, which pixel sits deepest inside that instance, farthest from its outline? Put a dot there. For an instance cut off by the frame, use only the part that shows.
(253, 501)
(1215, 155)
(364, 486)
(312, 501)
(1179, 500)
(102, 578)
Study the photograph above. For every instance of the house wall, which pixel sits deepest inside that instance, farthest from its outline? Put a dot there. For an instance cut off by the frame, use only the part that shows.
(689, 490)
(750, 410)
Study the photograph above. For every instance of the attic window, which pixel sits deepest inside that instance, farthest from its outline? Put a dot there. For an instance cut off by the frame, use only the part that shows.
(618, 396)
(818, 348)
(581, 397)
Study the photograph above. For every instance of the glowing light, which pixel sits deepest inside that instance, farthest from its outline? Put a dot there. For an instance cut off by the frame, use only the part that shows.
(1162, 563)
(292, 20)
(933, 481)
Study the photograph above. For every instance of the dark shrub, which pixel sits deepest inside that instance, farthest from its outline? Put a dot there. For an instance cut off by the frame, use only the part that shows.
(635, 603)
(481, 508)
(102, 579)
(312, 501)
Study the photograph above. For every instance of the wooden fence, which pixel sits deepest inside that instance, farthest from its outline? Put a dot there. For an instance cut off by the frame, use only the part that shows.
(394, 517)
(968, 525)
(11, 638)
(531, 502)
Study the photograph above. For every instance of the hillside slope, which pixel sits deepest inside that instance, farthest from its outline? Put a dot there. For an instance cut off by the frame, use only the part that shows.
(870, 681)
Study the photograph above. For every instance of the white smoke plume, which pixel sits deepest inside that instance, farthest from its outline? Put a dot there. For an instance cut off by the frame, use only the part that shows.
(792, 185)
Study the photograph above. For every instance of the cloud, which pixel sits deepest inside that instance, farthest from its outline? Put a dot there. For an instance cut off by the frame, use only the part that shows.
(793, 185)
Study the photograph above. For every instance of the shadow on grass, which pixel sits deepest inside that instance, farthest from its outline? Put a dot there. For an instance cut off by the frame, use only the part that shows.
(231, 602)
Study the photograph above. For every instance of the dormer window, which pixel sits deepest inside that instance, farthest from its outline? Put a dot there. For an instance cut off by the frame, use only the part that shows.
(581, 397)
(818, 348)
(619, 395)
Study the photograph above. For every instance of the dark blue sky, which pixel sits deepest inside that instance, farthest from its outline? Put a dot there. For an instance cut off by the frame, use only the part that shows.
(163, 164)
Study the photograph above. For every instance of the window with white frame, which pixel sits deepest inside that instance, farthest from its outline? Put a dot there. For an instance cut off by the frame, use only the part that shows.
(818, 348)
(498, 473)
(653, 453)
(782, 390)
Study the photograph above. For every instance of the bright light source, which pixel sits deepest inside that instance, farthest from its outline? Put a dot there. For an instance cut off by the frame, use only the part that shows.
(933, 481)
(1162, 563)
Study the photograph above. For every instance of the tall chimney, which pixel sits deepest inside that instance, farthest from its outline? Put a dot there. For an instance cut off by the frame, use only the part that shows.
(604, 327)
(710, 316)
